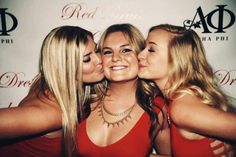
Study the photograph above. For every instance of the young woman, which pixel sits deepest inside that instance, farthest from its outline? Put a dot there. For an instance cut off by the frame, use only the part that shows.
(174, 59)
(126, 122)
(68, 64)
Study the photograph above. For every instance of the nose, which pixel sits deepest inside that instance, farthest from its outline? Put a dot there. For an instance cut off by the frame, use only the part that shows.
(142, 55)
(116, 57)
(98, 58)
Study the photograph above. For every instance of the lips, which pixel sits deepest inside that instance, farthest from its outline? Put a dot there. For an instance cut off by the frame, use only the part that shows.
(118, 67)
(141, 65)
(100, 69)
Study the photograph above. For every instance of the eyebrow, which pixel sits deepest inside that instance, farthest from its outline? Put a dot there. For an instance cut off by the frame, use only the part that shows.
(87, 54)
(125, 45)
(151, 42)
(120, 46)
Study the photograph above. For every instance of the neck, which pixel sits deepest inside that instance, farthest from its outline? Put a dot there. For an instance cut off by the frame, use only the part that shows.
(161, 83)
(123, 91)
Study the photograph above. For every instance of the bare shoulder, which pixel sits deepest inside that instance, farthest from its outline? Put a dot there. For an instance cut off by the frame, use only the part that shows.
(185, 107)
(42, 108)
(43, 102)
(33, 115)
(186, 101)
(191, 114)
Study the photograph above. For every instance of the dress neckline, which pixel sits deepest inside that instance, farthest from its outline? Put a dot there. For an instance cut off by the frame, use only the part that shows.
(119, 140)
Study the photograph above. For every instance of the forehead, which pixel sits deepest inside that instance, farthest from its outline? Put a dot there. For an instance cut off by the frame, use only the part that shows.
(90, 46)
(115, 38)
(90, 41)
(159, 36)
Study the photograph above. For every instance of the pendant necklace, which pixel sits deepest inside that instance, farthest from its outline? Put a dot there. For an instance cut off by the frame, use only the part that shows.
(127, 112)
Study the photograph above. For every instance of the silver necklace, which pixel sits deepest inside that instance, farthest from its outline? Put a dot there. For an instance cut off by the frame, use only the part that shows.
(117, 114)
(118, 122)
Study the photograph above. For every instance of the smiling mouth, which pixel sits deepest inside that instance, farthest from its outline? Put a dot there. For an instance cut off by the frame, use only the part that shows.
(118, 67)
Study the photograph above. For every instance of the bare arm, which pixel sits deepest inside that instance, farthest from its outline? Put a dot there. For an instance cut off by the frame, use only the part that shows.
(162, 141)
(32, 117)
(189, 113)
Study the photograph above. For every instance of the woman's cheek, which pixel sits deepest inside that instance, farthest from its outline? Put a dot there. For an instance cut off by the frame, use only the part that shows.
(87, 69)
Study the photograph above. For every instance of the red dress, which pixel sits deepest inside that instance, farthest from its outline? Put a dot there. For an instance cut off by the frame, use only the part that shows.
(34, 147)
(134, 144)
(182, 147)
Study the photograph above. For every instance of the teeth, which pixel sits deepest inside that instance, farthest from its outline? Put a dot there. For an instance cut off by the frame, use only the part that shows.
(118, 67)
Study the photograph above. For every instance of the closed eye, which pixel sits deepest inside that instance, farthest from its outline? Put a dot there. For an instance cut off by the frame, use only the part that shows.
(150, 50)
(86, 59)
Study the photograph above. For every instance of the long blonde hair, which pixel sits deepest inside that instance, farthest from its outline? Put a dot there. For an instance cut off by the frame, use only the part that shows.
(190, 71)
(61, 62)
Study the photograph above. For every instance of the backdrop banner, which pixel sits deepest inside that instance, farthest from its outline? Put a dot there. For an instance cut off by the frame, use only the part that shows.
(25, 23)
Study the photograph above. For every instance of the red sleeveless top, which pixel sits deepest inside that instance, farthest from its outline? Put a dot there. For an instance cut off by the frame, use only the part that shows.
(34, 147)
(182, 147)
(134, 144)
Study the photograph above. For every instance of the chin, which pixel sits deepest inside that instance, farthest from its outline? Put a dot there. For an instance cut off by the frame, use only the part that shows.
(141, 75)
(99, 78)
(94, 79)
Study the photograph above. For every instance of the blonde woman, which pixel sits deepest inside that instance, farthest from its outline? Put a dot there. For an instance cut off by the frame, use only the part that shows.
(126, 122)
(174, 59)
(47, 117)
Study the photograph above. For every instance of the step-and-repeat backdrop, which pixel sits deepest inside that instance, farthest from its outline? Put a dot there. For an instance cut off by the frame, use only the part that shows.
(25, 23)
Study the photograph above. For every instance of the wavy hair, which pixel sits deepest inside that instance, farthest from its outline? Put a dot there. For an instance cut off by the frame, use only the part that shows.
(60, 64)
(146, 90)
(190, 71)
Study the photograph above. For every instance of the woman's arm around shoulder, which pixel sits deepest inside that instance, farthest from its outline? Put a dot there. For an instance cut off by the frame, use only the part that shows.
(32, 116)
(190, 113)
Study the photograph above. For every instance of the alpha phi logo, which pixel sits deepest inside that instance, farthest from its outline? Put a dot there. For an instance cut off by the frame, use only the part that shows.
(223, 19)
(7, 19)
